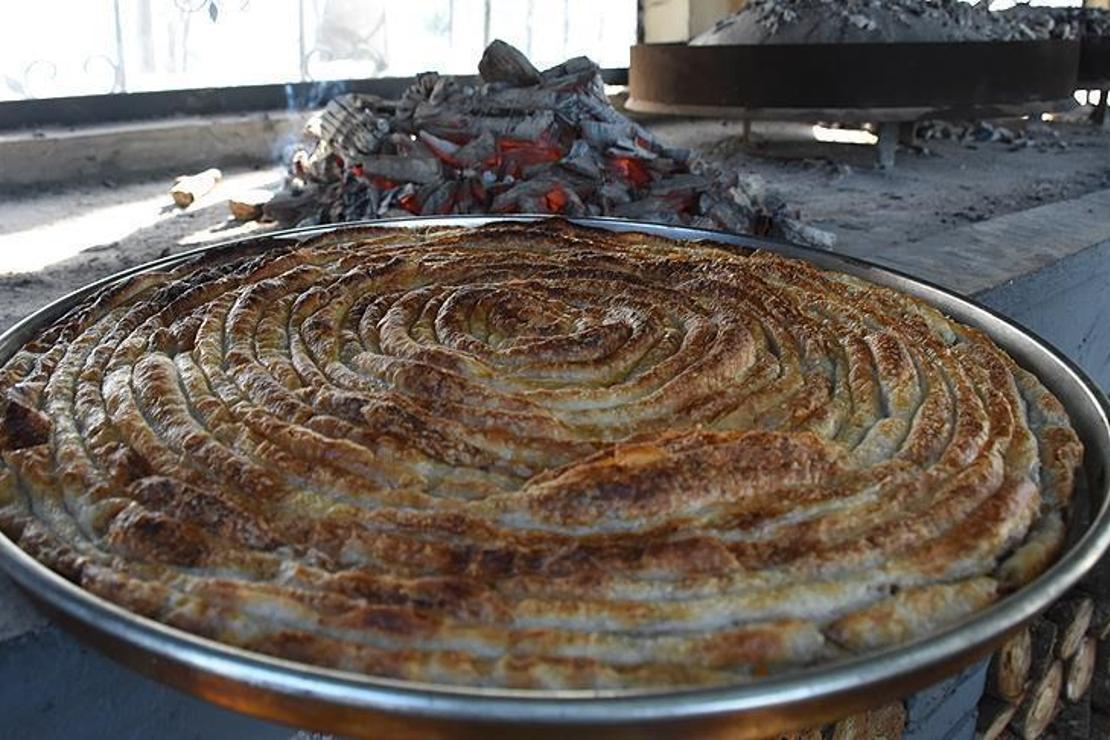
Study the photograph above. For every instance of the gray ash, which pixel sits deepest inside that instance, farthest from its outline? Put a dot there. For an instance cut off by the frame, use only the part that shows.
(1064, 22)
(882, 21)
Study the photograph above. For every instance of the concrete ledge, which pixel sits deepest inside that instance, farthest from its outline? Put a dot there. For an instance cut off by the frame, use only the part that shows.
(17, 616)
(985, 255)
(172, 145)
(1068, 304)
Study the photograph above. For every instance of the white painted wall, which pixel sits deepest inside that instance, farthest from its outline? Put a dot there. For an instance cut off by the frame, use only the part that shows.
(74, 47)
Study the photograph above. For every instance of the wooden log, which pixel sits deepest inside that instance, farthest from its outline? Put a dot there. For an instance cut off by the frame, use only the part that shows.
(1073, 721)
(290, 208)
(1046, 678)
(849, 728)
(503, 62)
(1080, 670)
(188, 188)
(248, 205)
(994, 717)
(1072, 615)
(420, 170)
(887, 721)
(1037, 712)
(1009, 668)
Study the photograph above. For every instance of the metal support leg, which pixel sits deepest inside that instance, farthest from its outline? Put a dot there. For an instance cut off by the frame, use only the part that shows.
(746, 137)
(907, 133)
(1099, 115)
(888, 145)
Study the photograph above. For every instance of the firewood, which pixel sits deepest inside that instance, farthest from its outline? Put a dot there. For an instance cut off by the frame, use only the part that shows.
(289, 207)
(849, 728)
(1073, 616)
(187, 188)
(1080, 670)
(887, 721)
(1009, 668)
(1072, 721)
(422, 170)
(502, 62)
(1036, 713)
(994, 717)
(248, 205)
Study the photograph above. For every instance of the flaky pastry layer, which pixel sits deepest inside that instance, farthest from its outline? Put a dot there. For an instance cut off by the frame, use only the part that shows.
(531, 455)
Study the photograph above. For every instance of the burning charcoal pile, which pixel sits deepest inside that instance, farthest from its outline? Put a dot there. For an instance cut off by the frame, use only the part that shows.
(1096, 22)
(878, 21)
(1040, 22)
(517, 141)
(1066, 23)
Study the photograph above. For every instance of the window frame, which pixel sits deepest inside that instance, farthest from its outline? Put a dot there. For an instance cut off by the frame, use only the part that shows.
(86, 110)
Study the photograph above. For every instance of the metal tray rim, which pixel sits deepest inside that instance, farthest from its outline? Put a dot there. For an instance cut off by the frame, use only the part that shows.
(306, 682)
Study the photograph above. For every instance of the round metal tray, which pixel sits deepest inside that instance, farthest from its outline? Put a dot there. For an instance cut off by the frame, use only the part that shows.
(351, 704)
(885, 81)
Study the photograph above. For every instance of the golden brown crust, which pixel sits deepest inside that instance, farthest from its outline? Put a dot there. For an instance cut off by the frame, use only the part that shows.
(530, 455)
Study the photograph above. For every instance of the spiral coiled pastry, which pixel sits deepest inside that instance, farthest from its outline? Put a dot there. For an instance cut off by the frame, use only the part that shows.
(530, 455)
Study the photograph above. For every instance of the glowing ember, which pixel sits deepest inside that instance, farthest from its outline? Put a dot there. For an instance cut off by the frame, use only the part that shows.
(556, 200)
(516, 155)
(632, 170)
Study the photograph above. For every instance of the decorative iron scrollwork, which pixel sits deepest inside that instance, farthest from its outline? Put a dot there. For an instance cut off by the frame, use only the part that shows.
(214, 6)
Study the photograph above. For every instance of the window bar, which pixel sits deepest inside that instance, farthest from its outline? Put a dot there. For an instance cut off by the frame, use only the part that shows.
(120, 83)
(528, 18)
(566, 26)
(486, 26)
(301, 41)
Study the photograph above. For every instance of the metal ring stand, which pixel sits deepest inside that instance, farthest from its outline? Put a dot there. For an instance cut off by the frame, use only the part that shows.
(884, 83)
